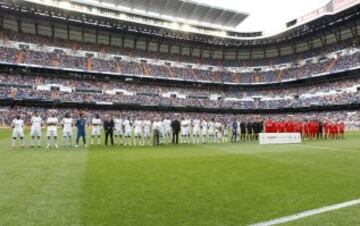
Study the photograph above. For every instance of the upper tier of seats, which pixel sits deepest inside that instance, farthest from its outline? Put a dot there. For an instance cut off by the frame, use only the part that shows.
(292, 58)
(39, 51)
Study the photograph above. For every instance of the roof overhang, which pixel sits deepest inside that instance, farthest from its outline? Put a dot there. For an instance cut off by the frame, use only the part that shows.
(300, 27)
(180, 11)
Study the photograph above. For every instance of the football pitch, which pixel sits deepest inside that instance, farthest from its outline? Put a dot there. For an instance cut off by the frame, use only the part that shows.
(212, 184)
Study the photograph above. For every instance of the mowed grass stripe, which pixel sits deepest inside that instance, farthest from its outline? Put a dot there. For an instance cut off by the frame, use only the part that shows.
(40, 186)
(222, 188)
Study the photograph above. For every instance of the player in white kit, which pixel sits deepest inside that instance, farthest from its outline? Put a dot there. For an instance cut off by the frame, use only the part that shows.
(225, 133)
(204, 128)
(211, 130)
(138, 126)
(185, 127)
(218, 131)
(118, 129)
(162, 131)
(127, 131)
(239, 132)
(36, 124)
(67, 124)
(167, 130)
(96, 124)
(18, 131)
(52, 124)
(196, 131)
(147, 132)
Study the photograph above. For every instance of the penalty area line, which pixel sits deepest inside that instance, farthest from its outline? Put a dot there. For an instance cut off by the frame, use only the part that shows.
(308, 213)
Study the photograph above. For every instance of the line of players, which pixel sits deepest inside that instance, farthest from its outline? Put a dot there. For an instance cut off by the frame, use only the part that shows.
(126, 131)
(138, 132)
(309, 129)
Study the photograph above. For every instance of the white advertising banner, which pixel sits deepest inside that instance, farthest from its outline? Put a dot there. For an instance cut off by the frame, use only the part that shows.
(280, 138)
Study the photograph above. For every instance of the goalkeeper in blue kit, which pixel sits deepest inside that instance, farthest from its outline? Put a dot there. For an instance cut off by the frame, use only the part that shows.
(80, 125)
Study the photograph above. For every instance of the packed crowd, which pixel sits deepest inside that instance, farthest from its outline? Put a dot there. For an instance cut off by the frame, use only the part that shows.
(43, 40)
(91, 90)
(94, 84)
(59, 59)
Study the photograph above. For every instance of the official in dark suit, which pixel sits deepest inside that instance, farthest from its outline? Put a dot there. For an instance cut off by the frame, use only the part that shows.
(320, 132)
(175, 126)
(249, 130)
(109, 129)
(242, 131)
(234, 131)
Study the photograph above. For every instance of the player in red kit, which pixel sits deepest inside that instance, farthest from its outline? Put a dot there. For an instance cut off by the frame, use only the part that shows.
(341, 126)
(298, 127)
(315, 129)
(281, 127)
(326, 129)
(270, 126)
(273, 127)
(289, 127)
(306, 129)
(312, 129)
(333, 130)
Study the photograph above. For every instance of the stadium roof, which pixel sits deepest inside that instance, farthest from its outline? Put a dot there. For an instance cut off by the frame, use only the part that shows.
(175, 10)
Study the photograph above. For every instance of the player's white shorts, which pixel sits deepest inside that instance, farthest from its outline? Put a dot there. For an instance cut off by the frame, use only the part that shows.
(203, 133)
(168, 131)
(138, 133)
(127, 133)
(147, 134)
(67, 133)
(96, 131)
(18, 133)
(35, 132)
(118, 132)
(52, 132)
(185, 131)
(211, 132)
(196, 132)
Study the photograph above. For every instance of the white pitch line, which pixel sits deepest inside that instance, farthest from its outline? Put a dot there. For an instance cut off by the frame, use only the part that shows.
(308, 213)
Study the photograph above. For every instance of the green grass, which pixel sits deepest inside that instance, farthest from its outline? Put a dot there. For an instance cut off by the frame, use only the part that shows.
(217, 184)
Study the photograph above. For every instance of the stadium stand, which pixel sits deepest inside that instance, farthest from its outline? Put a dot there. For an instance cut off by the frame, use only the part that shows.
(15, 50)
(58, 69)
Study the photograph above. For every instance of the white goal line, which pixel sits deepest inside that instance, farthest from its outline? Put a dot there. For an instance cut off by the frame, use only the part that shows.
(308, 213)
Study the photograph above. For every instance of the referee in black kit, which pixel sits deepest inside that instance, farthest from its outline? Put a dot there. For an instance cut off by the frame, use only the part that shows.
(109, 130)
